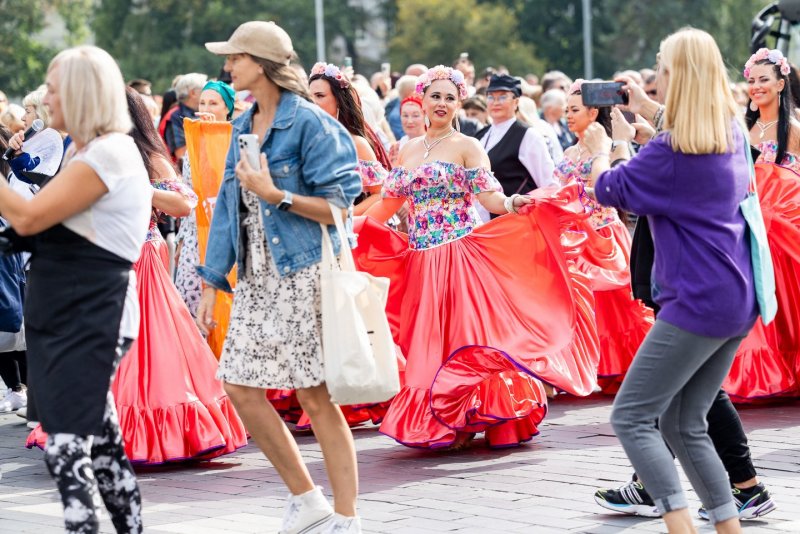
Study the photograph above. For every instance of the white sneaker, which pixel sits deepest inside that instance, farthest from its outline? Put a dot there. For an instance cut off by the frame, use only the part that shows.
(307, 513)
(23, 412)
(14, 400)
(341, 524)
(32, 424)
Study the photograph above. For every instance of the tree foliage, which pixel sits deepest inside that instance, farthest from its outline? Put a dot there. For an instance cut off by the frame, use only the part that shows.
(437, 31)
(627, 34)
(158, 39)
(24, 58)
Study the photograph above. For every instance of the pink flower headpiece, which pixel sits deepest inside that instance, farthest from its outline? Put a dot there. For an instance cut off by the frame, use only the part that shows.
(440, 72)
(330, 71)
(576, 86)
(773, 56)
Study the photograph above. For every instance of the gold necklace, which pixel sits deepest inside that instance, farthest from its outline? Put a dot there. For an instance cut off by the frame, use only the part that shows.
(429, 147)
(764, 127)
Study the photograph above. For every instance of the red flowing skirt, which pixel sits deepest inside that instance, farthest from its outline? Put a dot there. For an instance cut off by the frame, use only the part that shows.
(622, 321)
(170, 405)
(484, 321)
(767, 364)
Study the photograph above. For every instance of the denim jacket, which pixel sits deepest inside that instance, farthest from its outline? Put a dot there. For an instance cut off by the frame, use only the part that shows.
(308, 153)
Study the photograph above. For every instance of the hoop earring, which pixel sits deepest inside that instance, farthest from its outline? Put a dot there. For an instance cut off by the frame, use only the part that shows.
(754, 106)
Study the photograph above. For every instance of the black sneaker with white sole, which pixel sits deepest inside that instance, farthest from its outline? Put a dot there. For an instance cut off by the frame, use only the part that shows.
(751, 502)
(628, 499)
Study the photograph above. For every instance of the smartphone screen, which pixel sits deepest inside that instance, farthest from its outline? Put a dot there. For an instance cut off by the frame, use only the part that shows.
(602, 94)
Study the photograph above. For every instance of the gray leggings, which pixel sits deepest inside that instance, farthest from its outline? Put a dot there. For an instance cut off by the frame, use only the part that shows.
(674, 379)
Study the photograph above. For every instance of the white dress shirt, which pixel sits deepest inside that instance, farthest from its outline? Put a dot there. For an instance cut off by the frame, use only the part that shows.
(533, 152)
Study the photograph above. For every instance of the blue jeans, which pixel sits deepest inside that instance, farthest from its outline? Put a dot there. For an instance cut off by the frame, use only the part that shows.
(674, 379)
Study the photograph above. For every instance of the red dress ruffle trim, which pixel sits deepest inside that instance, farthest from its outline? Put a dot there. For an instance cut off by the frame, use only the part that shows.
(170, 405)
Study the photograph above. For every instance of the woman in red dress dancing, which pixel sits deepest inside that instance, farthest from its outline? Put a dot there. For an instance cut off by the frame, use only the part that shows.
(767, 364)
(487, 316)
(622, 321)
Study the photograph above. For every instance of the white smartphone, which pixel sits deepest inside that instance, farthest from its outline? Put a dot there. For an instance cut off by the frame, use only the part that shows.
(248, 147)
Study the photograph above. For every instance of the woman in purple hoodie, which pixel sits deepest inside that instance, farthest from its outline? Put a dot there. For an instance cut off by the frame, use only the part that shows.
(688, 181)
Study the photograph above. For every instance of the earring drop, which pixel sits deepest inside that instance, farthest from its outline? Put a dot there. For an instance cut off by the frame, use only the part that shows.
(427, 122)
(753, 106)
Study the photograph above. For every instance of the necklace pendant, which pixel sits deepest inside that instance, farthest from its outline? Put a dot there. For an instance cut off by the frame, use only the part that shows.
(761, 135)
(428, 152)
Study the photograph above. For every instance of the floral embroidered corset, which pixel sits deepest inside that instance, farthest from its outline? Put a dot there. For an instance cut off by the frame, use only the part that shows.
(769, 149)
(173, 184)
(372, 173)
(568, 171)
(441, 197)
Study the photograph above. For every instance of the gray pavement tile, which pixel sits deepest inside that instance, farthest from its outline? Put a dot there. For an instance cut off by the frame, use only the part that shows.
(543, 487)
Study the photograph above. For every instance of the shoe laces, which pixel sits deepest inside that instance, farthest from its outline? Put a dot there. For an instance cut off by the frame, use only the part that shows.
(340, 525)
(290, 512)
(631, 492)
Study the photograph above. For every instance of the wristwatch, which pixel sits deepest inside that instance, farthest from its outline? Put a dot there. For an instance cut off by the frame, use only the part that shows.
(286, 203)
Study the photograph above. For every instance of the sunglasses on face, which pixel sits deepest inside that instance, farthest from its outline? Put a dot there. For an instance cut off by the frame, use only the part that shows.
(652, 92)
(501, 99)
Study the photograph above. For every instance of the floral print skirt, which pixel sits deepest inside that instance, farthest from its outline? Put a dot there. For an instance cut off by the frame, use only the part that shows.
(275, 335)
(187, 281)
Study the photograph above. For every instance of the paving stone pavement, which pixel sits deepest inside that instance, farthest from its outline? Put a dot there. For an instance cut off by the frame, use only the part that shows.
(543, 487)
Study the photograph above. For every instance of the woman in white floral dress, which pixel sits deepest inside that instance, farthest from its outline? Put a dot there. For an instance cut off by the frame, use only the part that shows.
(267, 221)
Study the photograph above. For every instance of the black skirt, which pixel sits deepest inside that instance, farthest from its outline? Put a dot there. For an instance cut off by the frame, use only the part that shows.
(73, 309)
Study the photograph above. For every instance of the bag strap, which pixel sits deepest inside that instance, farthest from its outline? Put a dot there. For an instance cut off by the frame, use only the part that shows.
(749, 155)
(345, 254)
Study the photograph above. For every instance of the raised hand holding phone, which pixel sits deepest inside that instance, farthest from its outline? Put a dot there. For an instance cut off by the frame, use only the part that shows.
(256, 178)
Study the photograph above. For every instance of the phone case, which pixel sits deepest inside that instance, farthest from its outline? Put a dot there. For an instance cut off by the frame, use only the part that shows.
(248, 146)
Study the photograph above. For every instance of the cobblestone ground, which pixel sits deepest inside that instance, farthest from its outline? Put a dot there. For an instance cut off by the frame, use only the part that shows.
(543, 487)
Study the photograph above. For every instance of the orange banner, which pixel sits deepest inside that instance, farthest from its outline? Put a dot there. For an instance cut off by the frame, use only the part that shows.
(207, 145)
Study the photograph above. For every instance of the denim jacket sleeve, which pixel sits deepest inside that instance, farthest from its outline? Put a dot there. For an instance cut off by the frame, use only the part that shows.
(329, 165)
(224, 231)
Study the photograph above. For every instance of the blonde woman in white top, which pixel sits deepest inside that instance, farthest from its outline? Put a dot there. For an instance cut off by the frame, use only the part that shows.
(81, 312)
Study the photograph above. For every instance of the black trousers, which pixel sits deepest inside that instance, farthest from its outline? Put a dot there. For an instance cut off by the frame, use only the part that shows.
(13, 369)
(724, 425)
(730, 441)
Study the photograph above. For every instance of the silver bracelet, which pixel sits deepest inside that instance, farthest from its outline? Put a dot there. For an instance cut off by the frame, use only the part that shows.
(508, 204)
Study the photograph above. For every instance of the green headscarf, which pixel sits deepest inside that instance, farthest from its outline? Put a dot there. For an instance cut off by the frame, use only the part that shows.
(225, 91)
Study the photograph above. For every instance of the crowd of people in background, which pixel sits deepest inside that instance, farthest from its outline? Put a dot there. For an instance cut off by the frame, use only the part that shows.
(467, 190)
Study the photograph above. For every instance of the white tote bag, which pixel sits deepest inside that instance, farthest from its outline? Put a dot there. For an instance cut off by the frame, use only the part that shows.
(357, 345)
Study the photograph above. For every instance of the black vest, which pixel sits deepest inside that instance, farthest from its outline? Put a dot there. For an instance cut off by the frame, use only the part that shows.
(506, 166)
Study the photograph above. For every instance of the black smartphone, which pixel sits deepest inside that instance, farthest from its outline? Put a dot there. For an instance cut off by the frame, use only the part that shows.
(603, 94)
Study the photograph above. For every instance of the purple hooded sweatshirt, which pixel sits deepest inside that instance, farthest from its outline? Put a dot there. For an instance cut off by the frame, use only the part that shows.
(702, 276)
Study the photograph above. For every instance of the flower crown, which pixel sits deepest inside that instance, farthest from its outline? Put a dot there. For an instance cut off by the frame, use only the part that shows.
(440, 72)
(576, 86)
(773, 56)
(330, 71)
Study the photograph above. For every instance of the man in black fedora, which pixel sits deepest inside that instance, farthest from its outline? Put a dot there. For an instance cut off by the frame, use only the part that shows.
(519, 156)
